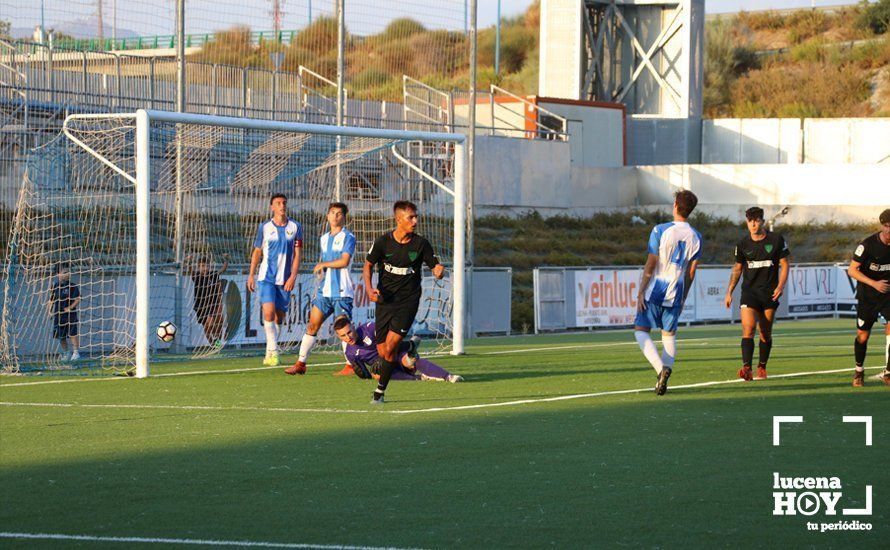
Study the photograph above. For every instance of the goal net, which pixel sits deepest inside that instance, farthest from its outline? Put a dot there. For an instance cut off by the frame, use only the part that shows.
(134, 206)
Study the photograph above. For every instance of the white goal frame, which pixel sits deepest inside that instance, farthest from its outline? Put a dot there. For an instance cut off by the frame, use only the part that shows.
(145, 118)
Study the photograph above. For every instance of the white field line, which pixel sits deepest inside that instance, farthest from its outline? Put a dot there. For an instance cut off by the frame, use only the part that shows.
(613, 392)
(501, 352)
(195, 542)
(410, 411)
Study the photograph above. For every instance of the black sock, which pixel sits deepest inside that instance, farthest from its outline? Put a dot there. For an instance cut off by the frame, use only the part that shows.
(765, 348)
(386, 368)
(747, 351)
(859, 351)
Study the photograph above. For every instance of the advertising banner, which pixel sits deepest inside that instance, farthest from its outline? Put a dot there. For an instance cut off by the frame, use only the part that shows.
(811, 290)
(710, 290)
(606, 297)
(846, 292)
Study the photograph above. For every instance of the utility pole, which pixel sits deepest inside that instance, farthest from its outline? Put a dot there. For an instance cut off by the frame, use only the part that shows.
(276, 17)
(497, 44)
(471, 168)
(99, 18)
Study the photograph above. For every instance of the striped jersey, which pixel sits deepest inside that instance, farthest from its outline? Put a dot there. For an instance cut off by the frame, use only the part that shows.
(676, 244)
(337, 282)
(278, 243)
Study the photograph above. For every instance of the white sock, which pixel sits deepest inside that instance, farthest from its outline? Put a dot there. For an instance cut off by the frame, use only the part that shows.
(306, 346)
(271, 336)
(649, 350)
(669, 343)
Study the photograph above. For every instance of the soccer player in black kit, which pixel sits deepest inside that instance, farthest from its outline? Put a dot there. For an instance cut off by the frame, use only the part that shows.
(870, 268)
(399, 256)
(762, 257)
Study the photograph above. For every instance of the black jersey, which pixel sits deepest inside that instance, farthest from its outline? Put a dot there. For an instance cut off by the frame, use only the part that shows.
(760, 262)
(207, 286)
(63, 295)
(401, 266)
(875, 259)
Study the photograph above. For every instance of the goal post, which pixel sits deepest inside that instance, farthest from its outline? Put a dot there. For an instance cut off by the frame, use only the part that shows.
(125, 199)
(144, 120)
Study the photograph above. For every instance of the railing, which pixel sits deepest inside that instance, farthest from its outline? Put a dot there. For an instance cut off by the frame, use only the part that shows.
(312, 96)
(541, 130)
(422, 104)
(165, 41)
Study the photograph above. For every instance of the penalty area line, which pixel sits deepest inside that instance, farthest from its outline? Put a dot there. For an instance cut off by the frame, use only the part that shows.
(518, 402)
(193, 542)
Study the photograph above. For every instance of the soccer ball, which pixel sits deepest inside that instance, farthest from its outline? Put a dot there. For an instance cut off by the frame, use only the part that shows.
(166, 331)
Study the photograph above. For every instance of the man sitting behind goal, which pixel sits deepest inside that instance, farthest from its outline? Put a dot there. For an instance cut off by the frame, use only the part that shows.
(362, 355)
(336, 292)
(276, 252)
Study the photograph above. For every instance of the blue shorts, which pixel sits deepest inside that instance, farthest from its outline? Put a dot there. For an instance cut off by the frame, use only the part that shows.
(337, 306)
(659, 316)
(270, 293)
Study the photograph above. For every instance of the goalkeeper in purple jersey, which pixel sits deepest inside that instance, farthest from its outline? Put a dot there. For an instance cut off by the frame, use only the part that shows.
(361, 353)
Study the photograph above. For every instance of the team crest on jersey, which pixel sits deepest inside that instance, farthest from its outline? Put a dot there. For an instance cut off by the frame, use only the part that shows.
(412, 255)
(769, 248)
(367, 340)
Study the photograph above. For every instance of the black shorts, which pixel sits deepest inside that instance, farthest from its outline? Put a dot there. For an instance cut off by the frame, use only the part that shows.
(65, 326)
(867, 311)
(758, 301)
(397, 317)
(205, 308)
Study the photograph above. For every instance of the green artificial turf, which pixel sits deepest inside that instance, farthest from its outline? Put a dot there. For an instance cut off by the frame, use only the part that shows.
(236, 456)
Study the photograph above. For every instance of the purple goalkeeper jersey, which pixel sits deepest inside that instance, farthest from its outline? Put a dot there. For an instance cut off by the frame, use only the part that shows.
(364, 351)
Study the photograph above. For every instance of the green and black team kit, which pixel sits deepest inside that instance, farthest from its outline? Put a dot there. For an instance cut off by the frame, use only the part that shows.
(874, 257)
(400, 273)
(760, 269)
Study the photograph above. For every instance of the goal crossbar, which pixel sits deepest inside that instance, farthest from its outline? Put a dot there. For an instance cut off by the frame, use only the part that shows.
(144, 120)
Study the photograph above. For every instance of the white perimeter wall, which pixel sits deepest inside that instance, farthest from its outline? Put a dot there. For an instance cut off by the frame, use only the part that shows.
(516, 175)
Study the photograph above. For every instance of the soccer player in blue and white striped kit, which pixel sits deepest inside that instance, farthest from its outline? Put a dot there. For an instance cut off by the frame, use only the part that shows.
(335, 295)
(274, 265)
(674, 250)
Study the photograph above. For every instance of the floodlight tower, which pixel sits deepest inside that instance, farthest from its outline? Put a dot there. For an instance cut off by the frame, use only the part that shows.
(646, 54)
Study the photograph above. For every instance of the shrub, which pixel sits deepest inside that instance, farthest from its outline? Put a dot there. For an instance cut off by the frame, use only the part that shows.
(402, 28)
(875, 17)
(319, 37)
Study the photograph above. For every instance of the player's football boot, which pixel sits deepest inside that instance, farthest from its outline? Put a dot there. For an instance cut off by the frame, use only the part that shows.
(761, 373)
(411, 353)
(271, 359)
(75, 356)
(377, 400)
(455, 378)
(885, 377)
(298, 368)
(346, 371)
(745, 373)
(661, 387)
(858, 378)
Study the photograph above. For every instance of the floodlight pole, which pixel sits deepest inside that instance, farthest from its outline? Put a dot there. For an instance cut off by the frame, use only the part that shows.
(497, 44)
(341, 61)
(471, 163)
(181, 99)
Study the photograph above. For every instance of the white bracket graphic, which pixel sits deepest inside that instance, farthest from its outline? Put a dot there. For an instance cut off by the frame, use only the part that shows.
(865, 420)
(777, 423)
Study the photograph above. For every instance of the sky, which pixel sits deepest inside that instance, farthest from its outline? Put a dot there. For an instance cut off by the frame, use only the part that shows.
(156, 17)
